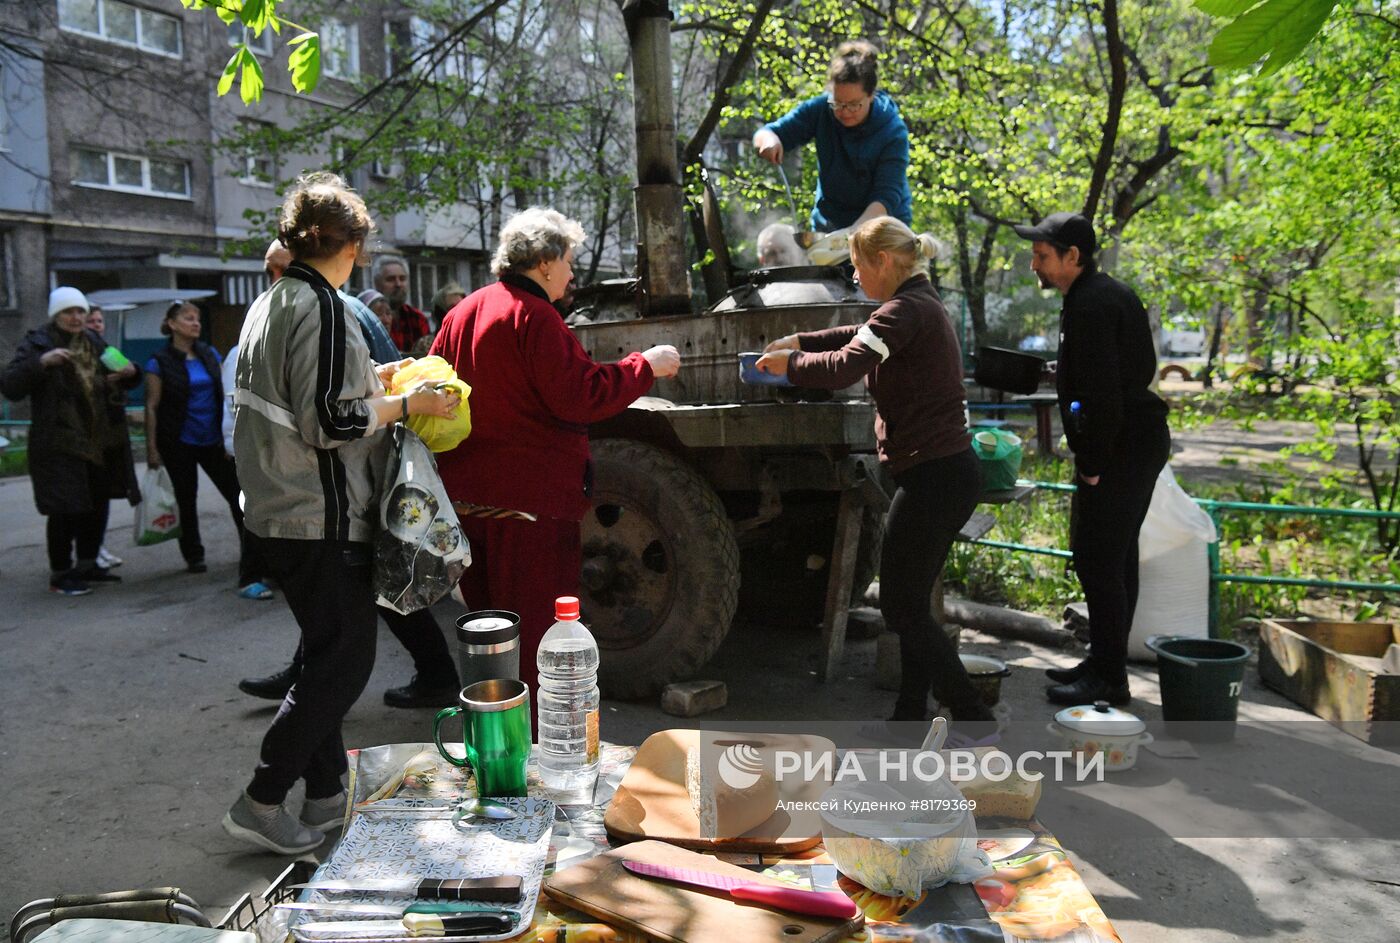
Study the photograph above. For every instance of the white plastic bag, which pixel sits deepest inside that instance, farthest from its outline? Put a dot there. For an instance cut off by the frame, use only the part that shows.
(157, 516)
(420, 551)
(1173, 568)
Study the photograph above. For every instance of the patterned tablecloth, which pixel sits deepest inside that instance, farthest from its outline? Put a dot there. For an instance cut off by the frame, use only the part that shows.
(1034, 894)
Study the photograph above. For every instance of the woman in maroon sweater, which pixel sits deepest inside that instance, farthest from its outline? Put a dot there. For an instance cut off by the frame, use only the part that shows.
(521, 481)
(909, 357)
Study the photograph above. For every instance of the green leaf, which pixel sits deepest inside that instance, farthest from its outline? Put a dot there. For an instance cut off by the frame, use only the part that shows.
(301, 38)
(254, 15)
(1224, 7)
(231, 69)
(1275, 25)
(305, 62)
(227, 10)
(250, 82)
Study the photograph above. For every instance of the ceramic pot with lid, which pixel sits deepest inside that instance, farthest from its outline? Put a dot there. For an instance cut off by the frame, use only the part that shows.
(1098, 728)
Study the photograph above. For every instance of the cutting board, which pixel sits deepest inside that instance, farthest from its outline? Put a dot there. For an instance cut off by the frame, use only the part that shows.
(652, 801)
(663, 910)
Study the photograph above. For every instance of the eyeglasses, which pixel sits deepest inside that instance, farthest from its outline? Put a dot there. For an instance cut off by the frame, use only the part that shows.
(848, 108)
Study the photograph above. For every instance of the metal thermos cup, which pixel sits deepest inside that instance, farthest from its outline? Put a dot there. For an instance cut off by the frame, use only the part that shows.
(488, 645)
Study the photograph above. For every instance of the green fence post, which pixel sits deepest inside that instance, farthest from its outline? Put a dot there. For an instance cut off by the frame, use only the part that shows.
(1213, 556)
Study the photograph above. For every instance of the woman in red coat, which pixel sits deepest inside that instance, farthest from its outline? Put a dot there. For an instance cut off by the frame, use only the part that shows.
(521, 482)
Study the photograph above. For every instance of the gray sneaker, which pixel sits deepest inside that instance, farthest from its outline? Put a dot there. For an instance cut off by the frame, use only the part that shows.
(274, 830)
(324, 814)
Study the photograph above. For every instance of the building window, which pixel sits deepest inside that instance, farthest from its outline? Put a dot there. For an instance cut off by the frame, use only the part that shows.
(382, 169)
(261, 45)
(340, 49)
(123, 24)
(7, 272)
(428, 277)
(4, 114)
(259, 165)
(129, 173)
(406, 41)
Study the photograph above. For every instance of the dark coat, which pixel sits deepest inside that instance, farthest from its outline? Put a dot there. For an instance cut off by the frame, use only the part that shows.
(64, 421)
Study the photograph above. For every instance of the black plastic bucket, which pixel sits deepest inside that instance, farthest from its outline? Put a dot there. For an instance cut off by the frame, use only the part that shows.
(1008, 370)
(1201, 680)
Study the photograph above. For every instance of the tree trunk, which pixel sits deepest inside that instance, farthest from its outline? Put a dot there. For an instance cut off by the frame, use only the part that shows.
(1117, 88)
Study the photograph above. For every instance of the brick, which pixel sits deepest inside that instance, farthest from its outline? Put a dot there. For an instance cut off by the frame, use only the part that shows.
(693, 698)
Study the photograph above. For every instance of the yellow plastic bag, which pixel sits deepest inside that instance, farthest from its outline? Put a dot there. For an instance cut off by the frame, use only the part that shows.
(439, 435)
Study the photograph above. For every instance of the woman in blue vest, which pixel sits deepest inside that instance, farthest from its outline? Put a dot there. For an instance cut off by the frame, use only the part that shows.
(862, 144)
(184, 420)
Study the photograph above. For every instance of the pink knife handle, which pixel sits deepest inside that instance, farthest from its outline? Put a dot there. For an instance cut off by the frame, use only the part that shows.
(814, 903)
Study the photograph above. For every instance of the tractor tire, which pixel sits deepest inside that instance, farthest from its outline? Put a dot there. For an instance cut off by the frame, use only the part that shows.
(786, 564)
(660, 577)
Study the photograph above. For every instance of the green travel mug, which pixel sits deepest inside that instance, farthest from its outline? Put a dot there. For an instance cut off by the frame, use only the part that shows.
(496, 734)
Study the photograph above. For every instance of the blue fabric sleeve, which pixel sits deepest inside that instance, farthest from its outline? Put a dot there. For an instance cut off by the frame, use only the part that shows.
(892, 174)
(798, 126)
(152, 367)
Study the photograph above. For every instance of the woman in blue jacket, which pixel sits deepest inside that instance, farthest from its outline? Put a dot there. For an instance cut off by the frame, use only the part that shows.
(862, 144)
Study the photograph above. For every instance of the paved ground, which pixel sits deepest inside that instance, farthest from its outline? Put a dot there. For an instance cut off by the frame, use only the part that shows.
(123, 739)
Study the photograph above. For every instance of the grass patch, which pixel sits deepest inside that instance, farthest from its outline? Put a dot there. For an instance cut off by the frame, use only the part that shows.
(1250, 542)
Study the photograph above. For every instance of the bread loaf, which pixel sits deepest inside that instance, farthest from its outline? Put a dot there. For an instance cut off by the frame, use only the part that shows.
(725, 811)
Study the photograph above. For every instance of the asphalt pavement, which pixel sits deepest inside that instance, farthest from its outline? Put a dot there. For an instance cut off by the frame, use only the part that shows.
(123, 739)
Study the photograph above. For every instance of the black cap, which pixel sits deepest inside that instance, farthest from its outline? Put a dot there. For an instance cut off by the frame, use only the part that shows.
(1064, 230)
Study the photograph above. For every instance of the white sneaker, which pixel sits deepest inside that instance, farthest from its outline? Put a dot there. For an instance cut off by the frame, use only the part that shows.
(107, 560)
(272, 828)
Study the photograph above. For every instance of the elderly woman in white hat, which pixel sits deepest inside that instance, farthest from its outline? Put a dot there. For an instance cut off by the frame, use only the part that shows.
(77, 455)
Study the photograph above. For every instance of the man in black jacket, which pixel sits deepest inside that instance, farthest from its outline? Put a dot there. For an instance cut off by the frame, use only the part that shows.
(1117, 429)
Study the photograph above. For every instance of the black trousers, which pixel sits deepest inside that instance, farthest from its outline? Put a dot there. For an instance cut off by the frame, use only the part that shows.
(933, 501)
(183, 462)
(421, 636)
(327, 586)
(83, 532)
(1104, 522)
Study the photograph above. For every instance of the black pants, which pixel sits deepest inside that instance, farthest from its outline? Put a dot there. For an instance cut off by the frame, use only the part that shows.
(84, 530)
(327, 586)
(183, 462)
(421, 636)
(1104, 522)
(933, 501)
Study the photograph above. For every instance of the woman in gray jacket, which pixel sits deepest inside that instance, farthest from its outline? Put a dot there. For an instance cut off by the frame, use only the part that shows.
(309, 404)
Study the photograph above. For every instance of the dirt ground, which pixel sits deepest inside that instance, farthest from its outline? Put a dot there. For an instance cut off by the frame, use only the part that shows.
(123, 739)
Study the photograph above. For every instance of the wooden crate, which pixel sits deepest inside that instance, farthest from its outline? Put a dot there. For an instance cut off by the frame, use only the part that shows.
(1334, 670)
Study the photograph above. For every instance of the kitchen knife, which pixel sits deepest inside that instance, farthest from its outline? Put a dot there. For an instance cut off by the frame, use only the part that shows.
(813, 903)
(505, 889)
(486, 921)
(391, 910)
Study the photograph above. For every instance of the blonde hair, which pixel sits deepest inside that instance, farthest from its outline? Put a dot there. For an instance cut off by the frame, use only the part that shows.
(909, 252)
(533, 236)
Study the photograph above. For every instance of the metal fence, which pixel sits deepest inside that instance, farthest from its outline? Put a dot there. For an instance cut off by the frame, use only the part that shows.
(1217, 577)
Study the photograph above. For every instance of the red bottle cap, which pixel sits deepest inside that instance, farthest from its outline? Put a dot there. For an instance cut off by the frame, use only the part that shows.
(566, 607)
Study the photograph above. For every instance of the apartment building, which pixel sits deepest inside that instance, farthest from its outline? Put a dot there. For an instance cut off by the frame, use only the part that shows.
(112, 178)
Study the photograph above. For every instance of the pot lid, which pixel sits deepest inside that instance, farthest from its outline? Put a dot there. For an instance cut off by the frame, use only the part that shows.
(983, 665)
(1100, 718)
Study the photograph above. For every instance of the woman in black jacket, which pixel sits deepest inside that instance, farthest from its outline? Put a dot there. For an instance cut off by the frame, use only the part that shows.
(78, 460)
(184, 432)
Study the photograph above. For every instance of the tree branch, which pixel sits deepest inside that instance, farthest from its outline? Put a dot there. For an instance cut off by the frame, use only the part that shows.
(1117, 88)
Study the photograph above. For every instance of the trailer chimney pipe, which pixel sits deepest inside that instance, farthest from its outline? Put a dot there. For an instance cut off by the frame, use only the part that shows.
(661, 260)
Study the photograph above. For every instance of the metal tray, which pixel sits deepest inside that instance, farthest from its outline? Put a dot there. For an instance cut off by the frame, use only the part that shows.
(423, 843)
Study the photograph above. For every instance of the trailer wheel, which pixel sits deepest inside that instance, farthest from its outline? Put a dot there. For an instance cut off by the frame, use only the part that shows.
(786, 564)
(660, 577)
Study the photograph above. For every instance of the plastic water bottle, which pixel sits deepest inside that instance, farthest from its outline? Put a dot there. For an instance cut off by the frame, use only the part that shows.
(568, 706)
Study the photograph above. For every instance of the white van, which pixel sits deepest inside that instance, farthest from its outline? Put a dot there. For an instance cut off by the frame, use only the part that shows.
(1180, 337)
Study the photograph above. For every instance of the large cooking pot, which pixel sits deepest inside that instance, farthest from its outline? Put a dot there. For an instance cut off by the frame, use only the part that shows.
(1008, 370)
